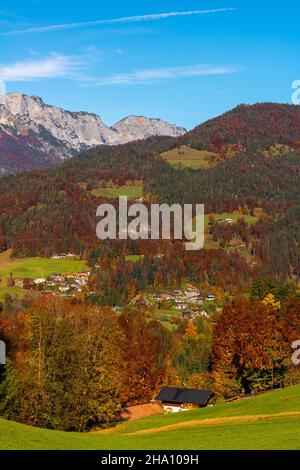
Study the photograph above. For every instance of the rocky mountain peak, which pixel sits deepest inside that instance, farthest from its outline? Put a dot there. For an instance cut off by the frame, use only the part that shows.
(62, 134)
(140, 127)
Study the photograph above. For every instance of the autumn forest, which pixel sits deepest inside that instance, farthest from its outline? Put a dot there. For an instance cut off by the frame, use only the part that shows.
(76, 363)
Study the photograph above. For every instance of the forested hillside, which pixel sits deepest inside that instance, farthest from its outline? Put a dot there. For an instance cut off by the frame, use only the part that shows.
(249, 127)
(45, 212)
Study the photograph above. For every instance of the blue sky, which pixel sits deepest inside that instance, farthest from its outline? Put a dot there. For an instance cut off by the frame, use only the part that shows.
(184, 68)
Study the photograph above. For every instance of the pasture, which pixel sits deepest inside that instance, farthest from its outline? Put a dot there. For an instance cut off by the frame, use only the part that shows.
(189, 157)
(33, 268)
(267, 422)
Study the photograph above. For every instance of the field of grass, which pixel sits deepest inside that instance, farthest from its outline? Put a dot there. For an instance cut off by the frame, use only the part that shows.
(189, 157)
(209, 244)
(134, 258)
(267, 422)
(131, 191)
(15, 291)
(229, 215)
(33, 268)
(37, 267)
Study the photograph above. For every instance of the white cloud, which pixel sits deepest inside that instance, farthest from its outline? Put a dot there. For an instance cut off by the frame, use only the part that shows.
(151, 75)
(53, 66)
(78, 68)
(127, 19)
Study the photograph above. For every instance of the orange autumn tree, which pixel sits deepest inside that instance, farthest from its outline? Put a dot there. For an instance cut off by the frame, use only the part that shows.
(248, 345)
(63, 367)
(145, 350)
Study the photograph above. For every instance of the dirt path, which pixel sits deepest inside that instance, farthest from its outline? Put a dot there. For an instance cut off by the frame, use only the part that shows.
(214, 422)
(141, 411)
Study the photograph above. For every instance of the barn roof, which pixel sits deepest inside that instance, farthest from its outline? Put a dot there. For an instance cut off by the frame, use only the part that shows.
(184, 395)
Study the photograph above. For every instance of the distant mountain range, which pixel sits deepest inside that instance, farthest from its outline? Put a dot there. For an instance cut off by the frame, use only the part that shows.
(36, 135)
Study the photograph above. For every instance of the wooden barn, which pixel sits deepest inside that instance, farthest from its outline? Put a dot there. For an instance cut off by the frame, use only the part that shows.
(183, 399)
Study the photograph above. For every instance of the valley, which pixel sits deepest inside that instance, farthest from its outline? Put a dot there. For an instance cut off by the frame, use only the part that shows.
(155, 314)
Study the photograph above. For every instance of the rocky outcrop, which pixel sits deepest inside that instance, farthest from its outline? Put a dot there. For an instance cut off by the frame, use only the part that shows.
(53, 134)
(138, 127)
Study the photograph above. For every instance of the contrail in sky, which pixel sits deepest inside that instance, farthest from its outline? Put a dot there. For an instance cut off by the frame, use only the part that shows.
(127, 19)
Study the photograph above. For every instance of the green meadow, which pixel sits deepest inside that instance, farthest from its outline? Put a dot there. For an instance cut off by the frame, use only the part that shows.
(189, 157)
(266, 422)
(131, 191)
(235, 216)
(134, 258)
(33, 268)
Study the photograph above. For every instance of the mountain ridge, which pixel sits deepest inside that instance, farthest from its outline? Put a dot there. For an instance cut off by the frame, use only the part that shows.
(249, 127)
(60, 134)
(34, 135)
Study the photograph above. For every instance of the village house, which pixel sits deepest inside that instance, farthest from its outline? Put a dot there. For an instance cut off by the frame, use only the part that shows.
(63, 256)
(41, 280)
(174, 400)
(191, 292)
(225, 221)
(177, 292)
(180, 301)
(181, 307)
(210, 298)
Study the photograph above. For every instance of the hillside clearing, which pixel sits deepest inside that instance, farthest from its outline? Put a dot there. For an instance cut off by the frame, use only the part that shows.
(189, 157)
(133, 192)
(33, 268)
(235, 216)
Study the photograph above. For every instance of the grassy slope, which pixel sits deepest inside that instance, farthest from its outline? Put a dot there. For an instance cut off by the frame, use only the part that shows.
(134, 258)
(230, 215)
(187, 432)
(191, 158)
(131, 191)
(33, 268)
(37, 267)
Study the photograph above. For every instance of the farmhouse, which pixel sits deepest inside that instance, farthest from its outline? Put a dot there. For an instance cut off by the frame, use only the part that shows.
(225, 221)
(183, 399)
(211, 298)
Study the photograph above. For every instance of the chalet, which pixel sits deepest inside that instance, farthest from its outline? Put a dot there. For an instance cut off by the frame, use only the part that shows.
(28, 284)
(181, 307)
(225, 221)
(196, 300)
(58, 256)
(158, 296)
(180, 301)
(174, 400)
(41, 280)
(191, 293)
(210, 298)
(177, 292)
